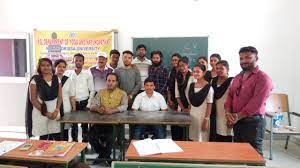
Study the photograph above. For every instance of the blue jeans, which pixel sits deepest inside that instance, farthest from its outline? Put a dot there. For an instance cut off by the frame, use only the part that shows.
(159, 131)
(251, 130)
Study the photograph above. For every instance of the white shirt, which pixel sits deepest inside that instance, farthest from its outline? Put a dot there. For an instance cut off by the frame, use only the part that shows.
(68, 90)
(143, 67)
(84, 85)
(145, 103)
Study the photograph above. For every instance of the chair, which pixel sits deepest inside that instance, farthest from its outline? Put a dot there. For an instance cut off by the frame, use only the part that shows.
(279, 103)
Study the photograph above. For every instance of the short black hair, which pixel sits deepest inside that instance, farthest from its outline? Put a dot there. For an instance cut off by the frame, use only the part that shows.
(202, 67)
(127, 52)
(114, 51)
(176, 55)
(224, 63)
(248, 49)
(184, 59)
(157, 52)
(59, 61)
(140, 46)
(216, 56)
(79, 55)
(113, 74)
(202, 57)
(147, 80)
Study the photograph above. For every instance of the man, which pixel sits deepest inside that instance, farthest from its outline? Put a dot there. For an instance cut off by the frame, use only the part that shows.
(149, 100)
(107, 101)
(114, 59)
(245, 104)
(159, 73)
(100, 71)
(129, 77)
(142, 63)
(84, 92)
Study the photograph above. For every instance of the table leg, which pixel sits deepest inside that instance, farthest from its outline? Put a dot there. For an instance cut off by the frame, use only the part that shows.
(122, 138)
(82, 156)
(67, 165)
(186, 132)
(62, 128)
(114, 141)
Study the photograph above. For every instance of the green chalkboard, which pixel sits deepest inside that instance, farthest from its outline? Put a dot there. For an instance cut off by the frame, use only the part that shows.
(192, 47)
(125, 164)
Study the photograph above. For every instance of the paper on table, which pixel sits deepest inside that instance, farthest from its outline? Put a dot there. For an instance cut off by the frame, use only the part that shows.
(6, 146)
(167, 146)
(149, 147)
(146, 147)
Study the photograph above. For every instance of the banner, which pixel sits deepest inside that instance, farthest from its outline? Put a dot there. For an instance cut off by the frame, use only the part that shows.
(64, 44)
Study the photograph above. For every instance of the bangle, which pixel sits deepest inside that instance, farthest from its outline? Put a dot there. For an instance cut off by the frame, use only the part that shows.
(206, 118)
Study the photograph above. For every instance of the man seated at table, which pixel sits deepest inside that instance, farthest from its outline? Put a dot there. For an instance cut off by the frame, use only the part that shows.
(149, 100)
(107, 101)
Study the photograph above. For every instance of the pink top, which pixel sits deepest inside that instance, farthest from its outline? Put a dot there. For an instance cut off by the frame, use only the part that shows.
(249, 96)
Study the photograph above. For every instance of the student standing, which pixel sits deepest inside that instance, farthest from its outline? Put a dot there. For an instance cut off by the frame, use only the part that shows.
(129, 77)
(84, 93)
(68, 92)
(221, 85)
(182, 85)
(201, 98)
(142, 63)
(43, 103)
(172, 102)
(158, 73)
(114, 59)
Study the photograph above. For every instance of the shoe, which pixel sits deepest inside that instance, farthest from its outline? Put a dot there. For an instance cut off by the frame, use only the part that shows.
(97, 160)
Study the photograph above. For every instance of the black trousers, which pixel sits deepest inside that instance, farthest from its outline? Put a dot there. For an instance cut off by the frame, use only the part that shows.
(221, 138)
(80, 105)
(101, 139)
(177, 133)
(251, 130)
(55, 136)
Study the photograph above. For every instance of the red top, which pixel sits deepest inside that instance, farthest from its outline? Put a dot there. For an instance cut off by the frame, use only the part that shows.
(249, 96)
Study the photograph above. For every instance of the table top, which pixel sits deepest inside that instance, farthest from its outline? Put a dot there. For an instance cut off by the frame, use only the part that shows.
(211, 152)
(128, 117)
(156, 117)
(18, 155)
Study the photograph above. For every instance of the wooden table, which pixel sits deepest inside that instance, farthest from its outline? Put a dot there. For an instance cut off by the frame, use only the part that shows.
(204, 152)
(87, 117)
(118, 120)
(154, 118)
(17, 155)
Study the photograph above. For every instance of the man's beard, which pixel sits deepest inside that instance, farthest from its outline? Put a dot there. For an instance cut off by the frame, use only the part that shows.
(156, 64)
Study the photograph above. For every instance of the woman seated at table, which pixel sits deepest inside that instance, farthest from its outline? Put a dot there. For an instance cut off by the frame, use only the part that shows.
(221, 86)
(201, 98)
(43, 103)
(68, 92)
(149, 100)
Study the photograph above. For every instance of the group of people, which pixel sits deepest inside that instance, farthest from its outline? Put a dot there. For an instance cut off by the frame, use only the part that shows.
(222, 108)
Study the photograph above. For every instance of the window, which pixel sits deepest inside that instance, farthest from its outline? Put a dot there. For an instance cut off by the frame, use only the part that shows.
(14, 60)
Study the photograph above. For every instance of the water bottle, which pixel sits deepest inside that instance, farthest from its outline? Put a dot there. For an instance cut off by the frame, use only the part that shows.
(278, 120)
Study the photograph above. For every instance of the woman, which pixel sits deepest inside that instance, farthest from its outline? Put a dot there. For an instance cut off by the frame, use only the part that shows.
(213, 60)
(182, 84)
(68, 92)
(43, 107)
(201, 98)
(172, 102)
(221, 86)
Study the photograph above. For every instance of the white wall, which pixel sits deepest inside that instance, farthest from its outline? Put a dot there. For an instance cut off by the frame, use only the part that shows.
(270, 25)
